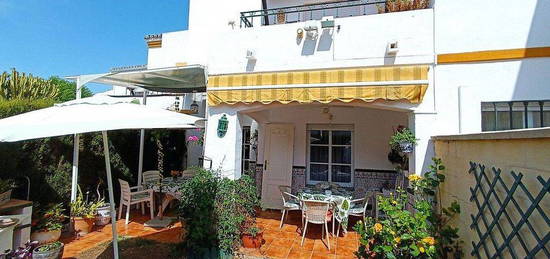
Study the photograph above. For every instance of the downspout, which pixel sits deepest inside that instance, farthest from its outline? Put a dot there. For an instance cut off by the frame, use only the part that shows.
(264, 7)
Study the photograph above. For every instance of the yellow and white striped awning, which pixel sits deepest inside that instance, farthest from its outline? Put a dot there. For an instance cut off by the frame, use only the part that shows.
(324, 86)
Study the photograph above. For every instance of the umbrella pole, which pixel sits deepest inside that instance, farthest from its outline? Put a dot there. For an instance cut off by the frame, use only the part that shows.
(74, 180)
(140, 165)
(141, 144)
(111, 196)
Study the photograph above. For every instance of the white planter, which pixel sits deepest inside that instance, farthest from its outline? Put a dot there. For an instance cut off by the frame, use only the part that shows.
(46, 237)
(103, 215)
(5, 197)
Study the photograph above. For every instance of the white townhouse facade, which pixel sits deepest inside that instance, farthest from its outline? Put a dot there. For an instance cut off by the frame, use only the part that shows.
(305, 91)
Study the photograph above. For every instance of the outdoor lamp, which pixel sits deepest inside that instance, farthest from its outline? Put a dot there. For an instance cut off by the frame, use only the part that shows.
(222, 126)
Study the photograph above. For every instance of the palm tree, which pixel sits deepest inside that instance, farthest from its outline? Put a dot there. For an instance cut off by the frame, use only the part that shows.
(17, 85)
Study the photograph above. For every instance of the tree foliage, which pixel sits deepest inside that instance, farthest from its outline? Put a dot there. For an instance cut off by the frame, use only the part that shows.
(67, 89)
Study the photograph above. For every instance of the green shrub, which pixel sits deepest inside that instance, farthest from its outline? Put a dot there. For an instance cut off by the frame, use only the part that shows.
(49, 219)
(423, 232)
(10, 108)
(216, 210)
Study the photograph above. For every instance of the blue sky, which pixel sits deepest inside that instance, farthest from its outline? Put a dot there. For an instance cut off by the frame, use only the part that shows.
(69, 37)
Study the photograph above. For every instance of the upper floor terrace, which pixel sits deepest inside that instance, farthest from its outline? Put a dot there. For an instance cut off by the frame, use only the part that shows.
(392, 38)
(292, 11)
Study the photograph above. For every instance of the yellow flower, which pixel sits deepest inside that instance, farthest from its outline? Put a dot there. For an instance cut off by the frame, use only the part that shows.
(377, 227)
(422, 250)
(429, 240)
(397, 240)
(394, 202)
(414, 177)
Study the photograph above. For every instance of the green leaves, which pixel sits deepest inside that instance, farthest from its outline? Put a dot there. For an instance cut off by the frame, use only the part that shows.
(218, 210)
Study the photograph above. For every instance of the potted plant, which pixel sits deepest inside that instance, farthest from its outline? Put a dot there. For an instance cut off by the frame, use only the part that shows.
(24, 252)
(252, 236)
(83, 214)
(403, 139)
(103, 214)
(5, 190)
(49, 251)
(47, 227)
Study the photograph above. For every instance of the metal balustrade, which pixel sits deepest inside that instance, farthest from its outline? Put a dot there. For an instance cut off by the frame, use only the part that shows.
(281, 14)
(500, 233)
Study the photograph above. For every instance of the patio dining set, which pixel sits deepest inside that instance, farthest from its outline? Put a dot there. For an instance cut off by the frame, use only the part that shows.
(326, 203)
(152, 183)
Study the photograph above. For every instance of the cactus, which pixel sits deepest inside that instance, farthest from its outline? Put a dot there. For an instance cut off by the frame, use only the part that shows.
(16, 85)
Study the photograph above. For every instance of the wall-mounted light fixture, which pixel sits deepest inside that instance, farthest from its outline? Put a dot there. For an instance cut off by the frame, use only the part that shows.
(393, 47)
(250, 54)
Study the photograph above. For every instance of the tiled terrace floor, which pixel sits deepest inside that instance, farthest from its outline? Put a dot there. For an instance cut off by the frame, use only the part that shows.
(75, 246)
(285, 242)
(279, 242)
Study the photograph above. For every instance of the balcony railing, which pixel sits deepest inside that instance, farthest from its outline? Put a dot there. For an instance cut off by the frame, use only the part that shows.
(300, 13)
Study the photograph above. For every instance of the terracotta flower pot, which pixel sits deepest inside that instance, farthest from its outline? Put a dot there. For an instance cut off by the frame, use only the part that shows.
(250, 241)
(83, 226)
(45, 237)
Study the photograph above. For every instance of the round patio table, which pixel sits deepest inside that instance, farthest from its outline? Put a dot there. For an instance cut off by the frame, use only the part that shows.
(340, 202)
(169, 187)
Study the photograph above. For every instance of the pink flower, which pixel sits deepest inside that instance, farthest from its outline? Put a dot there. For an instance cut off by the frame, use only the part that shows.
(193, 138)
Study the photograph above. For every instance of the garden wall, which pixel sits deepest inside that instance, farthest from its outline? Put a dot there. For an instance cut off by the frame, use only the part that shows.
(522, 151)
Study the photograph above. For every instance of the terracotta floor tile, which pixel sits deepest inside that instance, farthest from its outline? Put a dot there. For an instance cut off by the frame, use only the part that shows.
(275, 251)
(321, 247)
(308, 244)
(317, 255)
(297, 253)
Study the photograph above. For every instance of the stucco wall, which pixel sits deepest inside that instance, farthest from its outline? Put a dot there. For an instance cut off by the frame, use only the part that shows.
(526, 151)
(360, 41)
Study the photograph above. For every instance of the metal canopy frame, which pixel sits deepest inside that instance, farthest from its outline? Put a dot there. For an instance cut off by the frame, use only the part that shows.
(185, 79)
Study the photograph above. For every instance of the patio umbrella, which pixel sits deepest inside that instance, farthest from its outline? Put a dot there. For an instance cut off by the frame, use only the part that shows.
(91, 115)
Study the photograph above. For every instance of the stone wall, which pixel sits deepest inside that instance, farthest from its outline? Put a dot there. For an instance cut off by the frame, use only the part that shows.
(522, 151)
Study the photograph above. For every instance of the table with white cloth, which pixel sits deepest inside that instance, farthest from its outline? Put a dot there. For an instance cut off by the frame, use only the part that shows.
(340, 202)
(170, 187)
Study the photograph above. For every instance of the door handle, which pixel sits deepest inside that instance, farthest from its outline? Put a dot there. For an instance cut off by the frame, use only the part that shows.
(265, 165)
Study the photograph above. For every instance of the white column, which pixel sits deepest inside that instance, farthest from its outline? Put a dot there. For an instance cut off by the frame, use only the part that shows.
(225, 151)
(141, 143)
(423, 125)
(111, 196)
(76, 145)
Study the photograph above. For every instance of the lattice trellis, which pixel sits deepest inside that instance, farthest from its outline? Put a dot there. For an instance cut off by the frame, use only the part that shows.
(504, 222)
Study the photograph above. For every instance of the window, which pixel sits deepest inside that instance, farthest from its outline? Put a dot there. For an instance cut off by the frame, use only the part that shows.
(515, 115)
(246, 148)
(330, 154)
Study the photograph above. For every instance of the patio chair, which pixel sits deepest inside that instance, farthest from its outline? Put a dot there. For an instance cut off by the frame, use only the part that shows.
(316, 213)
(129, 198)
(152, 176)
(290, 202)
(358, 208)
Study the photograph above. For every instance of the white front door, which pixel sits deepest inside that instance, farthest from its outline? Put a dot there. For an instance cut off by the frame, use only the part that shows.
(278, 158)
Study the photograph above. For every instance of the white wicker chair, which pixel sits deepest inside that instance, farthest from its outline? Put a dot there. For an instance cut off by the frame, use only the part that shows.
(290, 202)
(316, 213)
(129, 198)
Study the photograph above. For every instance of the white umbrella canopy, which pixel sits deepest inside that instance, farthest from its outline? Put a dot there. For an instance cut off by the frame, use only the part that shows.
(75, 118)
(100, 113)
(89, 115)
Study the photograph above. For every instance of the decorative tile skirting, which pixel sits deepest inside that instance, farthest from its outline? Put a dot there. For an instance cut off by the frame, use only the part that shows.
(373, 179)
(298, 178)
